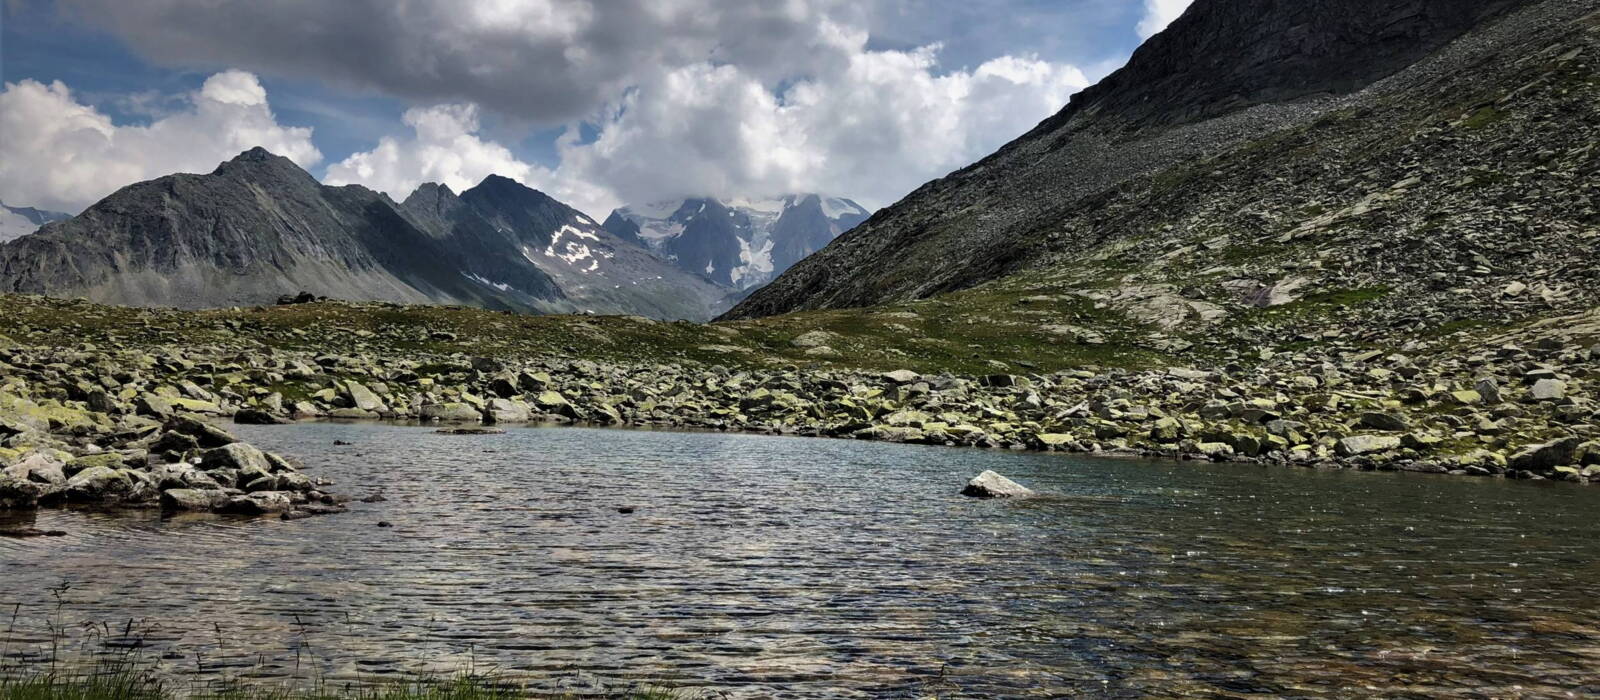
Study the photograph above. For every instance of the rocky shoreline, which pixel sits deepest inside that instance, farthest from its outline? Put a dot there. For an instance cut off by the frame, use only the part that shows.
(136, 427)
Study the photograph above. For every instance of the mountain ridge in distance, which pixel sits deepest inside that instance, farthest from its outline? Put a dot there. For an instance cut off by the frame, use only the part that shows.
(741, 243)
(258, 227)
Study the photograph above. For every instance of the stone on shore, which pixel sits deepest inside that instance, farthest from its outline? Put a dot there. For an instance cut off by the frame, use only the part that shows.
(1546, 456)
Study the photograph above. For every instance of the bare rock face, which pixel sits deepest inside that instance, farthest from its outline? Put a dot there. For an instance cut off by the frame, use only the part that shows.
(990, 484)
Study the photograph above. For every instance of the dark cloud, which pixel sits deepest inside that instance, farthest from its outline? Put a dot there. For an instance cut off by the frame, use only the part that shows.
(545, 61)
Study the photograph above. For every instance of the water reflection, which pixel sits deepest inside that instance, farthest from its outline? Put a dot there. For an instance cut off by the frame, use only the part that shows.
(812, 568)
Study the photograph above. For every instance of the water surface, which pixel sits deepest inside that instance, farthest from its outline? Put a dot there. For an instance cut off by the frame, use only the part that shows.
(789, 567)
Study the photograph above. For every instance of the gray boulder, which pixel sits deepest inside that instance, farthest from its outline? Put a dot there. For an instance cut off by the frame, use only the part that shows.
(1366, 444)
(191, 500)
(1540, 458)
(450, 413)
(99, 484)
(992, 485)
(259, 503)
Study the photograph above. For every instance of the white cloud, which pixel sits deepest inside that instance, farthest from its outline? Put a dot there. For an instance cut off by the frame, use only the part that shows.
(445, 147)
(59, 154)
(1158, 14)
(871, 125)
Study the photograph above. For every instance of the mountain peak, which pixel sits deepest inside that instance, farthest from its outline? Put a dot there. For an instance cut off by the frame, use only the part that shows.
(258, 162)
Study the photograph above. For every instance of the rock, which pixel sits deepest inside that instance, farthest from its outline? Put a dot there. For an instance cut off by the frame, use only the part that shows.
(40, 468)
(205, 434)
(507, 411)
(364, 398)
(19, 494)
(1366, 444)
(1489, 390)
(1548, 390)
(256, 416)
(1546, 456)
(99, 485)
(259, 503)
(1384, 421)
(992, 485)
(174, 443)
(1053, 440)
(901, 376)
(470, 431)
(454, 412)
(1514, 289)
(238, 456)
(191, 500)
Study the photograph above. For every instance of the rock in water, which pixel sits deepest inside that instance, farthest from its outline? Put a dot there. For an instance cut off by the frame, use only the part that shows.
(991, 485)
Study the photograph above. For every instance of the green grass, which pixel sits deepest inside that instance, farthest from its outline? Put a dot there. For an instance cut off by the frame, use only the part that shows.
(1483, 118)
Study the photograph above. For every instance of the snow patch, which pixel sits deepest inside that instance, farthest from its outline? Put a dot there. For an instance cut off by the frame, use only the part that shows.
(497, 285)
(757, 263)
(834, 207)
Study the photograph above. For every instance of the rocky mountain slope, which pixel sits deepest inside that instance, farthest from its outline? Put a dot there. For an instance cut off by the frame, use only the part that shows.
(16, 222)
(740, 244)
(1433, 148)
(259, 227)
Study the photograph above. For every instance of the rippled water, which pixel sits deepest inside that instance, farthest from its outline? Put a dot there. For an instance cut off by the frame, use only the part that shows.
(787, 567)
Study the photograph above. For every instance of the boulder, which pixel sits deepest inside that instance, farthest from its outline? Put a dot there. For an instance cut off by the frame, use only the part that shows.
(258, 503)
(992, 485)
(454, 412)
(205, 434)
(1384, 421)
(247, 459)
(1366, 444)
(1547, 456)
(1548, 390)
(19, 493)
(363, 398)
(901, 376)
(191, 500)
(507, 411)
(39, 468)
(99, 485)
(256, 416)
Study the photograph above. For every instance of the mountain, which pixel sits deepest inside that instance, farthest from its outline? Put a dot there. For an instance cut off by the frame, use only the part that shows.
(1242, 122)
(259, 227)
(16, 222)
(740, 244)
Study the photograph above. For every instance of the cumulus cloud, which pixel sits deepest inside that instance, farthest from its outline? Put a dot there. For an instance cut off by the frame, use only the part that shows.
(1158, 14)
(875, 128)
(60, 154)
(445, 147)
(674, 97)
(872, 126)
(545, 60)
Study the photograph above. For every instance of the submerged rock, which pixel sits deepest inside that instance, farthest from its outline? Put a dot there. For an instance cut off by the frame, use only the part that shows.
(990, 484)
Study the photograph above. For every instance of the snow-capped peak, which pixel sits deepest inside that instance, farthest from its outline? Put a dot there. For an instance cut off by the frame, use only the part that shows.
(741, 242)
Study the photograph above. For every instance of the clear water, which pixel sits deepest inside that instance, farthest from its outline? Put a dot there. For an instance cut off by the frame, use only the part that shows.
(787, 567)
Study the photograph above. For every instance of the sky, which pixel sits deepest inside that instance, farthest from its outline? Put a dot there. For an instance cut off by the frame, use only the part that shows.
(597, 102)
